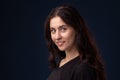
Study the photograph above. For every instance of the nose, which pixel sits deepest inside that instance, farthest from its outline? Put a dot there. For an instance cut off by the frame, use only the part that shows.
(58, 35)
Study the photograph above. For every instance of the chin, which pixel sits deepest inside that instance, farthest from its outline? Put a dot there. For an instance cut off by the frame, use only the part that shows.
(61, 49)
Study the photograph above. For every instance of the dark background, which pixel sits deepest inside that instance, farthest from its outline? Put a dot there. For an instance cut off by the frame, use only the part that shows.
(23, 48)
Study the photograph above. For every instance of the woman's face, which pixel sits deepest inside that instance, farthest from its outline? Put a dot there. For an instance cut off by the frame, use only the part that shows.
(62, 34)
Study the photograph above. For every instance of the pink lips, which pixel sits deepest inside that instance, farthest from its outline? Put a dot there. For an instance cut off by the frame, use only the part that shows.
(60, 43)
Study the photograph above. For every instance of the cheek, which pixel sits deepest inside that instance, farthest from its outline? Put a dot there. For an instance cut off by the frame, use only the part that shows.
(70, 37)
(71, 34)
(52, 37)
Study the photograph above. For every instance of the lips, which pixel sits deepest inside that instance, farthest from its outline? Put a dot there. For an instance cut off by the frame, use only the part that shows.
(60, 43)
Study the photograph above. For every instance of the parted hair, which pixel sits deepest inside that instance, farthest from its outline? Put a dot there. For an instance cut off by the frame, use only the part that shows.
(84, 40)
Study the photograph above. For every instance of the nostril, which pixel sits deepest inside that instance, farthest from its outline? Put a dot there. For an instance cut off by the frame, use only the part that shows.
(58, 36)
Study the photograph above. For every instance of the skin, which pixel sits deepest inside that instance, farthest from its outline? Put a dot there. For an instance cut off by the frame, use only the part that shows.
(63, 36)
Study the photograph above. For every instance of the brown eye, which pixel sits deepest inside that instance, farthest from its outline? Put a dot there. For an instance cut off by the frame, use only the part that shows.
(63, 29)
(52, 30)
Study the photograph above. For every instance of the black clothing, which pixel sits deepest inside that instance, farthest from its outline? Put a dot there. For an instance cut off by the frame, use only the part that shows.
(73, 70)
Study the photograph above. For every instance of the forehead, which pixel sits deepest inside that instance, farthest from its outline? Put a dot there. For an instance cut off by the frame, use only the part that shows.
(56, 22)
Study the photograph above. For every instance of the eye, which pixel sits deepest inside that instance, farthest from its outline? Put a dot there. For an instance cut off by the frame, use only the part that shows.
(52, 30)
(63, 29)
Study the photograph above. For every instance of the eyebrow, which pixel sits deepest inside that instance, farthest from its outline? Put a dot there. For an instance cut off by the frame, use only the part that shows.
(59, 26)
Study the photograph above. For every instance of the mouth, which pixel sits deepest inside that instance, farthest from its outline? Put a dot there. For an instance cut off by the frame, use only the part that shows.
(60, 43)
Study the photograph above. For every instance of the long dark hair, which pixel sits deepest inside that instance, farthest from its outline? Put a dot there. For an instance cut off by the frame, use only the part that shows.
(84, 41)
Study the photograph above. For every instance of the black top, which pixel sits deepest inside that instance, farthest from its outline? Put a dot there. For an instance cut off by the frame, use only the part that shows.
(73, 70)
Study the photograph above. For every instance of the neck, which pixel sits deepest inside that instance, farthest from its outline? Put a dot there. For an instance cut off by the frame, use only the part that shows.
(71, 53)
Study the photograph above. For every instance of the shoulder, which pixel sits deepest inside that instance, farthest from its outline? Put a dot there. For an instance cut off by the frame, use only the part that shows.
(84, 72)
(84, 67)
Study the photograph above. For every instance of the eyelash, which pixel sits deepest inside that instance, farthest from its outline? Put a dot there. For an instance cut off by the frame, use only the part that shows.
(52, 30)
(62, 30)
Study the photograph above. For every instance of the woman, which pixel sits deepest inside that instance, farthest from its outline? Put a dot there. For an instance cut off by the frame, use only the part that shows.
(73, 53)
